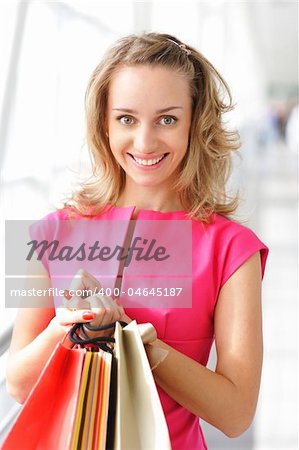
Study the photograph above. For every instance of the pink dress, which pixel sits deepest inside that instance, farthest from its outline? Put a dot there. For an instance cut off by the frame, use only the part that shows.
(218, 250)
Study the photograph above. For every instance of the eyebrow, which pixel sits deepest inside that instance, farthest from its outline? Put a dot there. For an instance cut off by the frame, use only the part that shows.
(160, 111)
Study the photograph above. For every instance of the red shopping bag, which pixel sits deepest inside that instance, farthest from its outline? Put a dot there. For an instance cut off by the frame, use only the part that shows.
(46, 419)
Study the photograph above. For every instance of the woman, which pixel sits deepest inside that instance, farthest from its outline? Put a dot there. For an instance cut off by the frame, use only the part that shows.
(160, 152)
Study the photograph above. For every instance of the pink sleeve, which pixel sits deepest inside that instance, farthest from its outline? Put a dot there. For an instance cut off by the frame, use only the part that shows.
(240, 246)
(45, 229)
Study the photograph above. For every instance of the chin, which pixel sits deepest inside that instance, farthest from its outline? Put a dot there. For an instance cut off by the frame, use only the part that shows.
(147, 184)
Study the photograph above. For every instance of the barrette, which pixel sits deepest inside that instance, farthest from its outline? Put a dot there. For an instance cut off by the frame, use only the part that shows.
(182, 46)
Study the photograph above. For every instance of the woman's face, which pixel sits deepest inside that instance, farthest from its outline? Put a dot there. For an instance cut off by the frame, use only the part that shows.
(148, 122)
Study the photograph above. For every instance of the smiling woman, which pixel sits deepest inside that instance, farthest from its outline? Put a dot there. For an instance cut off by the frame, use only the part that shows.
(151, 97)
(161, 155)
(149, 144)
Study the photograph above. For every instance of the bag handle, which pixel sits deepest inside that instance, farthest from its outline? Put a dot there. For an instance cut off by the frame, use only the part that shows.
(78, 330)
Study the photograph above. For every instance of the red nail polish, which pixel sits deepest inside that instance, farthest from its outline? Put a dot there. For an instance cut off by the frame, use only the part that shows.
(88, 315)
(67, 294)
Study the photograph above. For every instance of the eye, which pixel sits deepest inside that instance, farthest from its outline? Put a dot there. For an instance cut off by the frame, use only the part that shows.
(168, 120)
(126, 120)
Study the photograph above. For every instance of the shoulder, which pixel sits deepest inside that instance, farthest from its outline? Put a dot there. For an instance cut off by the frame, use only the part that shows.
(220, 231)
(236, 244)
(62, 214)
(58, 222)
(71, 213)
(226, 226)
(230, 231)
(228, 244)
(46, 226)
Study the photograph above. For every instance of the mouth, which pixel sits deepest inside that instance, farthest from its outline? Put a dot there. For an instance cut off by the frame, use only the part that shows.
(149, 162)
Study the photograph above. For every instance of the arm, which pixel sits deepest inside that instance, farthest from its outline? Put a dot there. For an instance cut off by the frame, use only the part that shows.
(32, 343)
(38, 330)
(227, 397)
(35, 335)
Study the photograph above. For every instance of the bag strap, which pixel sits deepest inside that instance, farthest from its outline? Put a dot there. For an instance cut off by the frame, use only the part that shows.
(78, 330)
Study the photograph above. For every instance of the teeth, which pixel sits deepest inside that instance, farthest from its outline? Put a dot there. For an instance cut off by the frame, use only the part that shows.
(148, 162)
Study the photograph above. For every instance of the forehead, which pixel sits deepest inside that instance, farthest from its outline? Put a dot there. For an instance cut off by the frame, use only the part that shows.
(148, 85)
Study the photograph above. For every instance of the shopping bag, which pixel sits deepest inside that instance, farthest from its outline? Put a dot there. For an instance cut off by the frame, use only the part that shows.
(51, 417)
(90, 426)
(97, 395)
(47, 416)
(140, 422)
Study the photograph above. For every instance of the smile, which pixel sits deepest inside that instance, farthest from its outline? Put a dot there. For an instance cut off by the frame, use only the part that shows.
(148, 162)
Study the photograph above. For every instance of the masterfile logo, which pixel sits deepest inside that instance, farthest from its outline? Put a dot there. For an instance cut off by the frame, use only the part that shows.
(145, 263)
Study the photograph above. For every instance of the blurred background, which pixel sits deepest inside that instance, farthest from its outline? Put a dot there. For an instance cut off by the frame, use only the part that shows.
(48, 50)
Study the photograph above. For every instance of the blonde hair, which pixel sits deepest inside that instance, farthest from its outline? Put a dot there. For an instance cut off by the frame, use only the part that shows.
(207, 164)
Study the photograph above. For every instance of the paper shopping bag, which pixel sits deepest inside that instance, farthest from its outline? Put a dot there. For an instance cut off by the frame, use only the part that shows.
(90, 427)
(140, 422)
(46, 419)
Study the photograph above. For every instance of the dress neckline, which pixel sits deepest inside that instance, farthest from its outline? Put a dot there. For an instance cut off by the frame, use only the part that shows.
(148, 213)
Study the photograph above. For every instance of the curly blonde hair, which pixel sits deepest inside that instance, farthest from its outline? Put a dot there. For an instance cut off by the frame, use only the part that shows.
(207, 163)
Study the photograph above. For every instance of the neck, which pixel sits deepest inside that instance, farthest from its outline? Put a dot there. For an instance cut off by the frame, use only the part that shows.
(150, 198)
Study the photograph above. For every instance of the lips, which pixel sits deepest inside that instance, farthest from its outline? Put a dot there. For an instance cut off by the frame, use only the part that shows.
(148, 162)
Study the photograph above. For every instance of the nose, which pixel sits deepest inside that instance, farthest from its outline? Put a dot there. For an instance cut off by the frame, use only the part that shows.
(145, 139)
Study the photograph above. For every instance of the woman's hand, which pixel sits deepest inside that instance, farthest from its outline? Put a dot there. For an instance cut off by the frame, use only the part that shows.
(95, 309)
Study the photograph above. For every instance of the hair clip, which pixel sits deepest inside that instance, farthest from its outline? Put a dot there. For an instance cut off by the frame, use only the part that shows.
(182, 46)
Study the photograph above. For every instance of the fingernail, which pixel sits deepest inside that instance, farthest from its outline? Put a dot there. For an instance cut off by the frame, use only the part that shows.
(88, 315)
(66, 294)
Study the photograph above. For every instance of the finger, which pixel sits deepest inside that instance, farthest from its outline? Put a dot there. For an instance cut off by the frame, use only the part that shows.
(96, 302)
(98, 309)
(105, 308)
(83, 280)
(67, 295)
(66, 317)
(125, 318)
(113, 309)
(74, 302)
(78, 303)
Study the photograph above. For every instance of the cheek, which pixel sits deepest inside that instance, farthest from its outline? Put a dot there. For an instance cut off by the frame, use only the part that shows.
(181, 142)
(117, 142)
